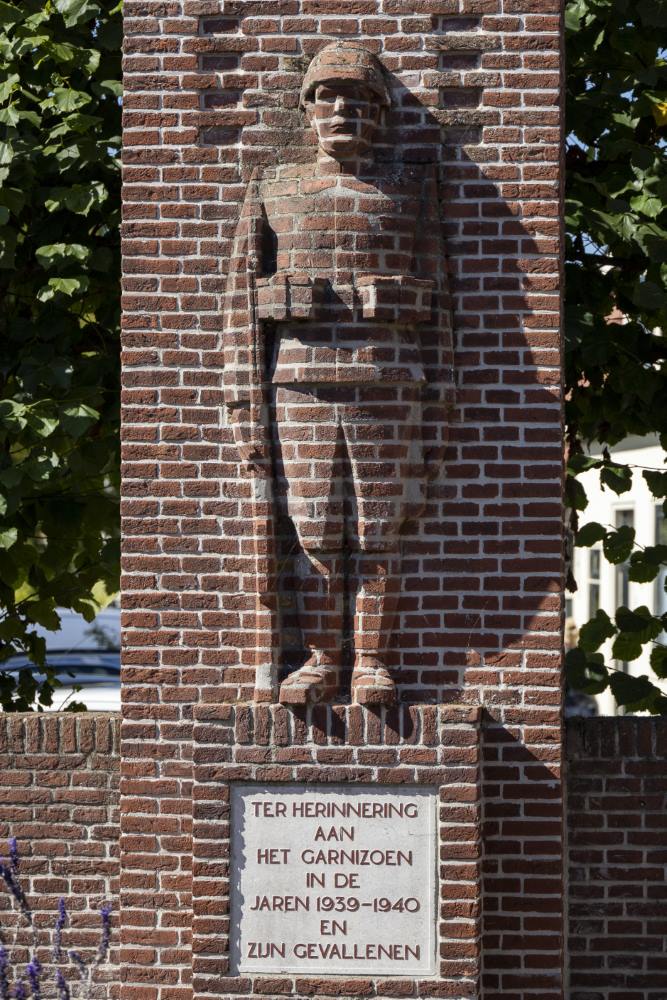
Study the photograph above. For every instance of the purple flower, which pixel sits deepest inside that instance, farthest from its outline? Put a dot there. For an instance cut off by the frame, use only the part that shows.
(20, 991)
(4, 981)
(63, 988)
(14, 854)
(103, 947)
(7, 872)
(61, 921)
(80, 964)
(33, 968)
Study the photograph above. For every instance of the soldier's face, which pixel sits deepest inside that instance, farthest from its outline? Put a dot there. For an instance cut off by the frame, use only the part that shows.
(344, 117)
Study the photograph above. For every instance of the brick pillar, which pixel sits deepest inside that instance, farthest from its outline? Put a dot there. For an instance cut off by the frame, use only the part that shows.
(211, 92)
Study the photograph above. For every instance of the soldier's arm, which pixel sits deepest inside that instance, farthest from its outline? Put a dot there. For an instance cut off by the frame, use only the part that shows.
(242, 343)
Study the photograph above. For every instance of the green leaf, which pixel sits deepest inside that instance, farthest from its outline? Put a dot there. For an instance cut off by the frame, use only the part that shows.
(656, 482)
(649, 295)
(55, 253)
(627, 646)
(586, 673)
(112, 87)
(80, 198)
(42, 426)
(66, 286)
(43, 613)
(8, 537)
(10, 14)
(618, 544)
(640, 620)
(636, 629)
(648, 205)
(13, 199)
(62, 52)
(582, 463)
(659, 661)
(636, 694)
(76, 420)
(573, 15)
(617, 477)
(65, 99)
(590, 534)
(10, 629)
(643, 567)
(575, 494)
(9, 116)
(76, 11)
(6, 158)
(652, 13)
(596, 631)
(8, 86)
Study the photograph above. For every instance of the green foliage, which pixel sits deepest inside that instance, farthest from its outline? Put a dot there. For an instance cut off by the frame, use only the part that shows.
(616, 218)
(596, 631)
(59, 284)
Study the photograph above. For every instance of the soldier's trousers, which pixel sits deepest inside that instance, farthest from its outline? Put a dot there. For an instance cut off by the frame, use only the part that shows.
(350, 464)
(350, 458)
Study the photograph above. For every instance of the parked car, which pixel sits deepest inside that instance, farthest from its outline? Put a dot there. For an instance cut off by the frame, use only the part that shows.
(85, 656)
(579, 704)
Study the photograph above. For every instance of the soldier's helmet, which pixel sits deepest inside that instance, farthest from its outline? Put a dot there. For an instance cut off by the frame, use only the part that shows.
(345, 62)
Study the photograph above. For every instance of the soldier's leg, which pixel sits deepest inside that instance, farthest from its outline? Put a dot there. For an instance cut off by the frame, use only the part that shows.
(378, 588)
(309, 456)
(380, 435)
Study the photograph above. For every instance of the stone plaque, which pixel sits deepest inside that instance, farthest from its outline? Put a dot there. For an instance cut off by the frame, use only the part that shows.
(333, 879)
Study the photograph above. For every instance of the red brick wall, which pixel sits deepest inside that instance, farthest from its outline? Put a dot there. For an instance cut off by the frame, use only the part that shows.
(617, 852)
(59, 798)
(210, 92)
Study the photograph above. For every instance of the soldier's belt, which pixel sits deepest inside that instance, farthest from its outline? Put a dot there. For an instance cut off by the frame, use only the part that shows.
(395, 299)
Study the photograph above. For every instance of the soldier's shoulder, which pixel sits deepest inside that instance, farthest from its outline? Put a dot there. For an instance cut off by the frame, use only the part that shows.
(295, 170)
(289, 174)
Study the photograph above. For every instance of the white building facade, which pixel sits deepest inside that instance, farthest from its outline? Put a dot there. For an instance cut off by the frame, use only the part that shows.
(603, 585)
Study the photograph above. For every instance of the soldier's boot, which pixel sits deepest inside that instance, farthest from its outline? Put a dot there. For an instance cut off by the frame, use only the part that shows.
(375, 611)
(320, 603)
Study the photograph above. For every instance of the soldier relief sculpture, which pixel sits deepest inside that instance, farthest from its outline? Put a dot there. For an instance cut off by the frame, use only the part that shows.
(337, 378)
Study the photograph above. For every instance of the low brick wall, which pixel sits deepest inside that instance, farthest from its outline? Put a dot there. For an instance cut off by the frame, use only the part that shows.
(617, 824)
(59, 797)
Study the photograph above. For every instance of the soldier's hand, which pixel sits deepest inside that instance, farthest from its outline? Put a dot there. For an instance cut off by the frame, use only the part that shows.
(249, 437)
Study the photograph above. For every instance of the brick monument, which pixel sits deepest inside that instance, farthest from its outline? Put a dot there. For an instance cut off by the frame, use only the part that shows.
(341, 738)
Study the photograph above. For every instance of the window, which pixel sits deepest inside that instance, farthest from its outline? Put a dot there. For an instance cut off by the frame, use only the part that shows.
(661, 579)
(622, 577)
(622, 595)
(593, 581)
